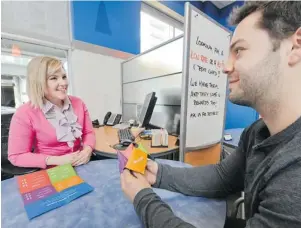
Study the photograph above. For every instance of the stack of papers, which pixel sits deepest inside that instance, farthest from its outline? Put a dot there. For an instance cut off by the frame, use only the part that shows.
(46, 190)
(159, 138)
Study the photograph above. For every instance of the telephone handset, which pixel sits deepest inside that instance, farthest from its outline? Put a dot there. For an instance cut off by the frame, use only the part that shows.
(112, 119)
(107, 116)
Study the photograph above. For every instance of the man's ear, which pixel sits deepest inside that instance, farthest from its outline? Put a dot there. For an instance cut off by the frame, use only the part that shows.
(295, 56)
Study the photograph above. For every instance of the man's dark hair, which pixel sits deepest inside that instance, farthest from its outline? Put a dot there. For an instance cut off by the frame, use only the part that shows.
(280, 19)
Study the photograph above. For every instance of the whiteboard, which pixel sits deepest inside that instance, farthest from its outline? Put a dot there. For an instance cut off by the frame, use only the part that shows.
(206, 45)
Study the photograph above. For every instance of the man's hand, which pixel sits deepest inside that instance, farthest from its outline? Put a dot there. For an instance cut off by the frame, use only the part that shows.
(132, 183)
(151, 172)
(83, 157)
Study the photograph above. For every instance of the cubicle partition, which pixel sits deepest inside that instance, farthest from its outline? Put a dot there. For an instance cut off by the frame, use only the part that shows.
(157, 70)
(193, 93)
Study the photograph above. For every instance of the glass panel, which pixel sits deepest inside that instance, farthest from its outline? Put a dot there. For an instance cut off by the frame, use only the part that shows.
(153, 31)
(15, 57)
(178, 32)
(156, 28)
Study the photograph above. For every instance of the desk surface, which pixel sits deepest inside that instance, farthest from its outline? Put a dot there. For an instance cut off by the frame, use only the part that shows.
(235, 133)
(107, 136)
(107, 206)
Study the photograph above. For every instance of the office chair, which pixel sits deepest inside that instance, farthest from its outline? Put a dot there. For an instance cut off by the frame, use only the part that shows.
(235, 207)
(226, 151)
(8, 170)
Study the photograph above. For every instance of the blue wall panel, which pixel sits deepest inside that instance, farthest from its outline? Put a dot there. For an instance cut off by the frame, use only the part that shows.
(110, 24)
(239, 116)
(178, 6)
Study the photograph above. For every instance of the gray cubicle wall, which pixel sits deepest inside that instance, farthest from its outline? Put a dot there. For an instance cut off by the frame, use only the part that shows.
(157, 70)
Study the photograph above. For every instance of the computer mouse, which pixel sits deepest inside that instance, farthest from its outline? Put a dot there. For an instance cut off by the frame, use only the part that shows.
(126, 142)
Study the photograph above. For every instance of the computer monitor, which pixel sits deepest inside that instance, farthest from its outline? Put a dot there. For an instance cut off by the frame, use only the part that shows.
(147, 109)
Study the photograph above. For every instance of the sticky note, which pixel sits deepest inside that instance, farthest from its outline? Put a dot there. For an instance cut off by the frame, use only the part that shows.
(137, 161)
(33, 181)
(128, 151)
(122, 160)
(67, 183)
(38, 194)
(60, 173)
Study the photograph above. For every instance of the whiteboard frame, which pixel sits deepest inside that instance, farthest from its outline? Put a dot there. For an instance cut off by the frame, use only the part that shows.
(185, 70)
(185, 78)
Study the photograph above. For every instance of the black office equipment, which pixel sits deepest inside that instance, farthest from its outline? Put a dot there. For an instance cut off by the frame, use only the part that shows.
(96, 124)
(112, 119)
(147, 110)
(107, 116)
(125, 137)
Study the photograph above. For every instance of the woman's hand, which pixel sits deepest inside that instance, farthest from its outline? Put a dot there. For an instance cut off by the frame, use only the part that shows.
(62, 160)
(83, 157)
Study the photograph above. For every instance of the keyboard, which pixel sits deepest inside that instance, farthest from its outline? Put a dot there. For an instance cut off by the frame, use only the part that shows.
(125, 134)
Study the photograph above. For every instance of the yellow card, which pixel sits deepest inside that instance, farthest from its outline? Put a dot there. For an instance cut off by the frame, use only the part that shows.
(137, 161)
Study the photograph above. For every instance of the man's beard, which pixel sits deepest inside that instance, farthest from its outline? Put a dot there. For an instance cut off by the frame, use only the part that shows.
(260, 84)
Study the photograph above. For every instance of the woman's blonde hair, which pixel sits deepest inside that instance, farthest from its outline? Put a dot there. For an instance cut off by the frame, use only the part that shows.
(37, 71)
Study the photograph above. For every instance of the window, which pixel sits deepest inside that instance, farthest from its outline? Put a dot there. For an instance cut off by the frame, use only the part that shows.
(15, 56)
(157, 28)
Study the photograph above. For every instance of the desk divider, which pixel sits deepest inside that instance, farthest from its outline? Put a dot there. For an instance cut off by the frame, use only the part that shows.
(187, 75)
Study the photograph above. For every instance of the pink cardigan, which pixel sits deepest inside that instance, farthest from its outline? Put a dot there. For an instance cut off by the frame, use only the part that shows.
(29, 128)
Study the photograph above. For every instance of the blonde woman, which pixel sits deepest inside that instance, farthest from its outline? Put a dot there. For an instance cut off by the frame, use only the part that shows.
(55, 125)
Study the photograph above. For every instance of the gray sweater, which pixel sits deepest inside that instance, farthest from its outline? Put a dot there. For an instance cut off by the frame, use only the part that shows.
(267, 168)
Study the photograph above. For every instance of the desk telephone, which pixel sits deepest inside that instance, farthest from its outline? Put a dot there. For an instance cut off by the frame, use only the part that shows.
(112, 119)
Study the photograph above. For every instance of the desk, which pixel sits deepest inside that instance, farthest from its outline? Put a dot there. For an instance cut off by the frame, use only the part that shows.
(107, 136)
(107, 206)
(235, 133)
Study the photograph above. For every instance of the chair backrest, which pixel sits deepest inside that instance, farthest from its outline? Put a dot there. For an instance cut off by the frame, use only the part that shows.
(5, 123)
(235, 207)
(4, 150)
(7, 169)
